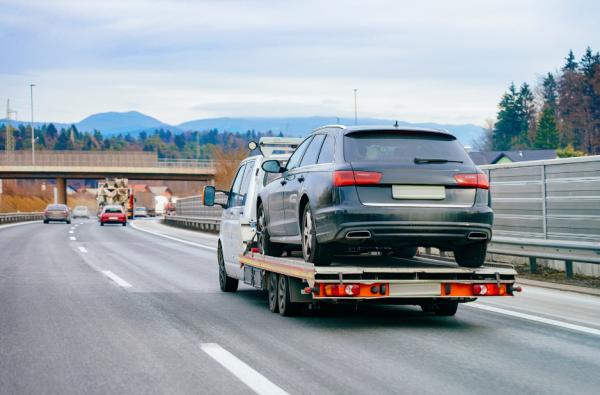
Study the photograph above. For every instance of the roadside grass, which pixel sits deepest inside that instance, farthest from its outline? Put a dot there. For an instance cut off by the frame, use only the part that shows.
(549, 274)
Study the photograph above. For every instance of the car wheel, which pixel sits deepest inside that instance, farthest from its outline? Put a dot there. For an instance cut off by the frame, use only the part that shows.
(264, 240)
(472, 255)
(404, 252)
(101, 223)
(286, 306)
(226, 283)
(124, 223)
(313, 251)
(272, 288)
(69, 222)
(46, 221)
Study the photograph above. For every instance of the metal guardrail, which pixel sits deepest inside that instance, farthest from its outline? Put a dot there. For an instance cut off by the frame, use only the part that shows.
(192, 207)
(198, 223)
(6, 218)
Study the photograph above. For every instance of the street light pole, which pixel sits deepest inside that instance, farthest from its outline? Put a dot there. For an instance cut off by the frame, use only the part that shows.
(355, 108)
(32, 129)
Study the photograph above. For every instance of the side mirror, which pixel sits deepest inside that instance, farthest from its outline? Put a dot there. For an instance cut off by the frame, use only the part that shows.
(272, 166)
(208, 195)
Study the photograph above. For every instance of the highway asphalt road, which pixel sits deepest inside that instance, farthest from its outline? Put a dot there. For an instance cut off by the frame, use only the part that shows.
(120, 310)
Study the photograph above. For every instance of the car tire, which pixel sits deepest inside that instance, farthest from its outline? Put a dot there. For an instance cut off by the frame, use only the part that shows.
(68, 222)
(404, 252)
(101, 223)
(472, 255)
(286, 307)
(46, 221)
(226, 283)
(264, 240)
(272, 292)
(314, 252)
(124, 223)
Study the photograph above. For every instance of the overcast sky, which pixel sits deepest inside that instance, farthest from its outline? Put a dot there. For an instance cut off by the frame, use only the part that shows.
(441, 61)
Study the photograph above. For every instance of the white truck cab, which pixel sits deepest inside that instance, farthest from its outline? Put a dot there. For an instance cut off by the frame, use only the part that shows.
(238, 221)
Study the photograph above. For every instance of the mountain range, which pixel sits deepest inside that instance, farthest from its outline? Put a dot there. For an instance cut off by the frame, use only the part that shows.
(134, 122)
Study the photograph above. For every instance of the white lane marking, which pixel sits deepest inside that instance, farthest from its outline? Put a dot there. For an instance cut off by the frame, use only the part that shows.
(71, 231)
(561, 324)
(73, 238)
(82, 249)
(174, 238)
(19, 224)
(116, 279)
(256, 381)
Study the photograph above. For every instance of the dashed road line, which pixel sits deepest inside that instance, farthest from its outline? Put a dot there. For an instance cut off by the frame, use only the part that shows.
(82, 249)
(548, 321)
(71, 231)
(256, 381)
(173, 238)
(116, 279)
(73, 238)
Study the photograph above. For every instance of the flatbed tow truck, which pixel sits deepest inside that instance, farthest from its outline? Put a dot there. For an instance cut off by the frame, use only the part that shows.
(436, 285)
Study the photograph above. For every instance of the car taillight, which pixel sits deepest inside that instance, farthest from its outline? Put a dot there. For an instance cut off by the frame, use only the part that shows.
(344, 178)
(472, 181)
(488, 289)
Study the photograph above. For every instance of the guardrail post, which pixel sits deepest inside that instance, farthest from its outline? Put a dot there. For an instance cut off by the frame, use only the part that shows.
(569, 269)
(533, 267)
(544, 203)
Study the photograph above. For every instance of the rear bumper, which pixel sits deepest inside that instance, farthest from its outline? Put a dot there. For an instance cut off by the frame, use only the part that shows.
(432, 226)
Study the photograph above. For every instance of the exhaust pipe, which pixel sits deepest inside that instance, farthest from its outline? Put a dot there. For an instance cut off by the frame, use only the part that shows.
(477, 236)
(358, 234)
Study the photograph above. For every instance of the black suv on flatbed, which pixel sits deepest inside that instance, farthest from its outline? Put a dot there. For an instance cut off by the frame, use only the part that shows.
(376, 188)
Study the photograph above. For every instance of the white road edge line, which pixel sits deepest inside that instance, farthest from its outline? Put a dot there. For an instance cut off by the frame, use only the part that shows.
(82, 249)
(256, 381)
(561, 324)
(73, 238)
(173, 238)
(116, 279)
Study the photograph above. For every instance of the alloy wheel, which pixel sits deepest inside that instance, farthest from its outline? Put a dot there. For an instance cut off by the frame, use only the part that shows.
(307, 234)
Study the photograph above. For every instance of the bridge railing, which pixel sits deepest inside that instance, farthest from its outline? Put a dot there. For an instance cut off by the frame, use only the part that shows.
(99, 159)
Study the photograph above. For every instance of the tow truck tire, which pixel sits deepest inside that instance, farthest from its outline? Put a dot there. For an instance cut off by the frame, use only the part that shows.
(287, 308)
(446, 309)
(272, 292)
(314, 252)
(472, 255)
(226, 283)
(264, 240)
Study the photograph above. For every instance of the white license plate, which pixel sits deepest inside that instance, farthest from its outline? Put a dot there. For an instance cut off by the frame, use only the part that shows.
(114, 218)
(419, 289)
(419, 192)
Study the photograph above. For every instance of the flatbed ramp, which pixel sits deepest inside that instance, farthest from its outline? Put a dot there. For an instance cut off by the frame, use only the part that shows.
(420, 280)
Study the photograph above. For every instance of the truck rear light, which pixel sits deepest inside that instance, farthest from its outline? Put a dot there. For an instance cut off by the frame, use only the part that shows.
(342, 290)
(348, 177)
(488, 290)
(476, 180)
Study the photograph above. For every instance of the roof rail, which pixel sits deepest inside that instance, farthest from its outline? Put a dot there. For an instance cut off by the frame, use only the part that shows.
(331, 126)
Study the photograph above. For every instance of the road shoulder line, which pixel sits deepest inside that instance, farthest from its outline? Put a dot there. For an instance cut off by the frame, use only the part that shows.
(529, 317)
(172, 238)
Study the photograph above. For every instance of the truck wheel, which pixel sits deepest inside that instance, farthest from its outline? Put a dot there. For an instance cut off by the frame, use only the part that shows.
(446, 309)
(286, 306)
(471, 255)
(404, 252)
(226, 283)
(313, 251)
(272, 288)
(264, 240)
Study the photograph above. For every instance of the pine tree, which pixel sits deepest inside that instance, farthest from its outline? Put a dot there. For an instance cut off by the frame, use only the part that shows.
(546, 136)
(571, 64)
(550, 91)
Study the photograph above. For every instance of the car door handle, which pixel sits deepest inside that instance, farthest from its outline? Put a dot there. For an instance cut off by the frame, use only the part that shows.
(283, 182)
(301, 179)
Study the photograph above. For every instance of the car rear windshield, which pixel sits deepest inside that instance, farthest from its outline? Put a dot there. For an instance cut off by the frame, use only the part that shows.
(113, 210)
(57, 207)
(402, 147)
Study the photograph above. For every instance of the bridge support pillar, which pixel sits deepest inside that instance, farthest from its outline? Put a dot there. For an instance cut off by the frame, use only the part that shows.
(61, 190)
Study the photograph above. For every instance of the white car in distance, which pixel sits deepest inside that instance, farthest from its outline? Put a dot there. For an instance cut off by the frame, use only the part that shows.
(238, 220)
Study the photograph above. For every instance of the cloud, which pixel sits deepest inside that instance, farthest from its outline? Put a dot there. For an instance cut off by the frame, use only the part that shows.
(176, 60)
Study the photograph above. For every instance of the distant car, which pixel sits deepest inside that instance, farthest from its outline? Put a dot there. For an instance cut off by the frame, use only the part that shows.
(57, 212)
(113, 214)
(81, 212)
(140, 212)
(376, 188)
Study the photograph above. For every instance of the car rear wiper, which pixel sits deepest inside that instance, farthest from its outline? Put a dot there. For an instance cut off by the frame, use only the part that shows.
(436, 160)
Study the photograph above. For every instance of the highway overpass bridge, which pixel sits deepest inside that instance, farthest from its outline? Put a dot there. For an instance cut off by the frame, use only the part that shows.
(133, 165)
